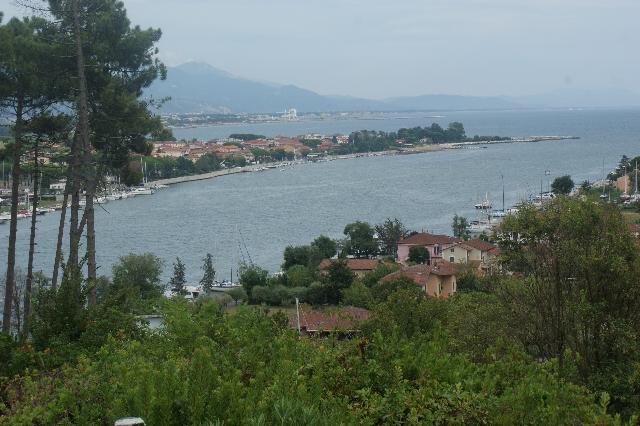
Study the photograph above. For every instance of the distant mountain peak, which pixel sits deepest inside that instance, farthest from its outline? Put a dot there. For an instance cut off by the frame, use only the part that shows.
(202, 68)
(201, 87)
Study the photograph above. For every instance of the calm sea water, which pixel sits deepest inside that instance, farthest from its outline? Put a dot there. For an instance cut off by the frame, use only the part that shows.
(254, 216)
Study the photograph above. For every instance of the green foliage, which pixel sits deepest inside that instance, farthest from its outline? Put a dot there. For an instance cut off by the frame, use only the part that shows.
(209, 273)
(252, 276)
(579, 293)
(562, 185)
(299, 276)
(371, 278)
(308, 256)
(311, 143)
(238, 294)
(418, 255)
(460, 227)
(327, 248)
(137, 276)
(360, 240)
(339, 277)
(207, 163)
(384, 289)
(209, 367)
(246, 136)
(178, 280)
(358, 295)
(389, 233)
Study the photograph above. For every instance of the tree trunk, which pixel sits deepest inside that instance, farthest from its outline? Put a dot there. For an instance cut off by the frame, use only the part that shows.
(10, 282)
(88, 167)
(58, 258)
(81, 144)
(91, 247)
(26, 310)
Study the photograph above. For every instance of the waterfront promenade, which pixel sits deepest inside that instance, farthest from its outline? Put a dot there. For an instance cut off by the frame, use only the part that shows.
(404, 151)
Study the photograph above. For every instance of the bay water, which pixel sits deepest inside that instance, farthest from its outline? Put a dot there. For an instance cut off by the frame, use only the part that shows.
(252, 217)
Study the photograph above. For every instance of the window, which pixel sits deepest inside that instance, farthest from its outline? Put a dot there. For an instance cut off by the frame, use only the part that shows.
(453, 250)
(452, 259)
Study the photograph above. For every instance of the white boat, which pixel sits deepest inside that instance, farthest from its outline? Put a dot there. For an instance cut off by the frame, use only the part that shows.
(112, 197)
(44, 210)
(478, 227)
(484, 205)
(498, 214)
(101, 200)
(142, 191)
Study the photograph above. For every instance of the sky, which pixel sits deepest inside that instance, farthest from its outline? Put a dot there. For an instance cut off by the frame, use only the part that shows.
(378, 49)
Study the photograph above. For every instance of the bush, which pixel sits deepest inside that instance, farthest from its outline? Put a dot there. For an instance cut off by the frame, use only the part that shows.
(358, 295)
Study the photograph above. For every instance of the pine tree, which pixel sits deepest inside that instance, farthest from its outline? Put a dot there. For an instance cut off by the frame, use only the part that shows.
(178, 281)
(209, 273)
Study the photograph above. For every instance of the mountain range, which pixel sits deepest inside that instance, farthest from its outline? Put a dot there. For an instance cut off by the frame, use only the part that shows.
(198, 87)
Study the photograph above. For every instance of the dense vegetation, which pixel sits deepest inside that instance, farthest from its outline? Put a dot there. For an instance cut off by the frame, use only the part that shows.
(372, 141)
(555, 343)
(170, 167)
(551, 337)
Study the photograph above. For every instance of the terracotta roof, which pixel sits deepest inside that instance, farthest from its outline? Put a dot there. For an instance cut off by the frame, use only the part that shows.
(480, 245)
(345, 319)
(420, 273)
(354, 264)
(425, 239)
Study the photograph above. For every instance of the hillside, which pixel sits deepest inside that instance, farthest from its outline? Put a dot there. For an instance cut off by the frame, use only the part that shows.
(198, 87)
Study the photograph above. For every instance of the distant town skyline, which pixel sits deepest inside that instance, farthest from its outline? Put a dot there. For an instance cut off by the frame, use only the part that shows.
(377, 49)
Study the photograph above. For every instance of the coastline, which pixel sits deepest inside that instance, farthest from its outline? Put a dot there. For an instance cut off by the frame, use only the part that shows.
(406, 151)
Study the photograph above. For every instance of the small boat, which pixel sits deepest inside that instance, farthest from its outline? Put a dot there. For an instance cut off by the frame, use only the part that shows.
(484, 205)
(44, 210)
(142, 191)
(101, 200)
(498, 214)
(480, 227)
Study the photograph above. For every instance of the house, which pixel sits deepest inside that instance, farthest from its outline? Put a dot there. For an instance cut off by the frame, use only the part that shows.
(435, 245)
(344, 321)
(58, 186)
(358, 266)
(170, 149)
(436, 280)
(474, 251)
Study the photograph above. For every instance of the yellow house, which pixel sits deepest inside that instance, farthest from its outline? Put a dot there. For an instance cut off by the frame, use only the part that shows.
(437, 280)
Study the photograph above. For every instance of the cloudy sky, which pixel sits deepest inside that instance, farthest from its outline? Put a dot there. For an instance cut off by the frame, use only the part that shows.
(377, 49)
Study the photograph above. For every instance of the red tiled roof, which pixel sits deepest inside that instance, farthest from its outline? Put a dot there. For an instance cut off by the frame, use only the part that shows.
(480, 245)
(425, 239)
(354, 264)
(420, 273)
(345, 319)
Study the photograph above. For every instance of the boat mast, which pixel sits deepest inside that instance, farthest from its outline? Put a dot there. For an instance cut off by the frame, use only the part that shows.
(502, 178)
(636, 185)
